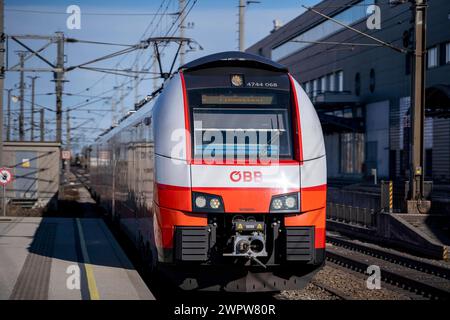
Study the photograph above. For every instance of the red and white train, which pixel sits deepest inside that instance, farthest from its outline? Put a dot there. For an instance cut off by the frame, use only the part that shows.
(220, 180)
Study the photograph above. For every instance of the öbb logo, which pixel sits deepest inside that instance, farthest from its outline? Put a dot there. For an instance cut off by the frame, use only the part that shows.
(246, 176)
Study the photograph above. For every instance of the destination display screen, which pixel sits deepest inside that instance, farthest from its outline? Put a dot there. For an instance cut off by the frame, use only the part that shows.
(222, 99)
(242, 78)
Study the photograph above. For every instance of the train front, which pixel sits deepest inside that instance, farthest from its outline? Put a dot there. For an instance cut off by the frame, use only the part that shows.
(240, 177)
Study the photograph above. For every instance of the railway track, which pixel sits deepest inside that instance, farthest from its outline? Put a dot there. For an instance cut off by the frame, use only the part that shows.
(395, 257)
(413, 275)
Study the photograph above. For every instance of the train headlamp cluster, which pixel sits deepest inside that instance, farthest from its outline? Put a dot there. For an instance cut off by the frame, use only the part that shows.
(204, 202)
(285, 203)
(200, 201)
(214, 203)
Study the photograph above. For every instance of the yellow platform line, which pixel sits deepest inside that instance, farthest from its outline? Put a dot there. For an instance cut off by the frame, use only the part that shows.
(92, 285)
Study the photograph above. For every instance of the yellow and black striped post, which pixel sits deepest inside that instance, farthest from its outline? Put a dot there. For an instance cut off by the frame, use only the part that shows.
(391, 197)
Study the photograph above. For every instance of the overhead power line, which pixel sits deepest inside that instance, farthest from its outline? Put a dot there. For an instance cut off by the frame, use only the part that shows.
(189, 6)
(357, 37)
(120, 72)
(73, 40)
(384, 43)
(123, 57)
(92, 13)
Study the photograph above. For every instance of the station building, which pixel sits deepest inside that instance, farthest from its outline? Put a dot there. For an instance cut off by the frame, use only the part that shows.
(362, 92)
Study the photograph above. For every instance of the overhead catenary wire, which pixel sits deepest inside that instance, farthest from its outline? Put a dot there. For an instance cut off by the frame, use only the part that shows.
(89, 13)
(108, 56)
(117, 64)
(144, 70)
(112, 71)
(81, 105)
(164, 47)
(384, 43)
(173, 33)
(123, 57)
(74, 40)
(378, 3)
(139, 54)
(125, 51)
(356, 37)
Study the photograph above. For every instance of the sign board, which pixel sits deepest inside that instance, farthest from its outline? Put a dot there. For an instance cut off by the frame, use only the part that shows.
(25, 163)
(65, 155)
(5, 176)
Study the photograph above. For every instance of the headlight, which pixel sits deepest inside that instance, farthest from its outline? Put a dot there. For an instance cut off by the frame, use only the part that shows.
(285, 203)
(277, 204)
(203, 202)
(290, 202)
(214, 203)
(200, 201)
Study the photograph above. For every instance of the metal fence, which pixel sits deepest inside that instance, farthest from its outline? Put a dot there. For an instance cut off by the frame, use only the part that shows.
(385, 196)
(353, 198)
(363, 217)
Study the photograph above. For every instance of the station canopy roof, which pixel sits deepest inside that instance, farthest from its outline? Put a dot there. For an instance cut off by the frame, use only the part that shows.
(330, 101)
(335, 100)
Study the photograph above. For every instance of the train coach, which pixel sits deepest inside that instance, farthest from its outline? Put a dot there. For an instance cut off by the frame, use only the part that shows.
(220, 180)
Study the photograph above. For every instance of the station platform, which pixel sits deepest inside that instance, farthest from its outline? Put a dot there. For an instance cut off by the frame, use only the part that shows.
(48, 258)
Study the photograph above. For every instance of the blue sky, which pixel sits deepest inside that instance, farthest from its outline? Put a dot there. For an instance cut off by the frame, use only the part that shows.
(215, 28)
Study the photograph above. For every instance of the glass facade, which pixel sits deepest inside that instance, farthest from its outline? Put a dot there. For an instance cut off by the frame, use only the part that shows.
(351, 153)
(432, 57)
(340, 79)
(308, 87)
(447, 53)
(331, 82)
(322, 30)
(323, 84)
(315, 87)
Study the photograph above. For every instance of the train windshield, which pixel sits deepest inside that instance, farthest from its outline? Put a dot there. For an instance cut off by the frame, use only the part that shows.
(230, 124)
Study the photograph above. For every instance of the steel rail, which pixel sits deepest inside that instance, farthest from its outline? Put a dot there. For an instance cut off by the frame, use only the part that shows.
(397, 258)
(394, 278)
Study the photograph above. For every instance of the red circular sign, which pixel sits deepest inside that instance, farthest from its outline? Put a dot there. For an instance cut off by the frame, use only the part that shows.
(5, 176)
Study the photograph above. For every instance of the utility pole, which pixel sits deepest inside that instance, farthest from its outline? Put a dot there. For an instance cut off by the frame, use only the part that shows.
(41, 124)
(33, 79)
(68, 147)
(242, 5)
(2, 77)
(8, 123)
(416, 202)
(68, 130)
(181, 8)
(241, 24)
(21, 95)
(58, 77)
